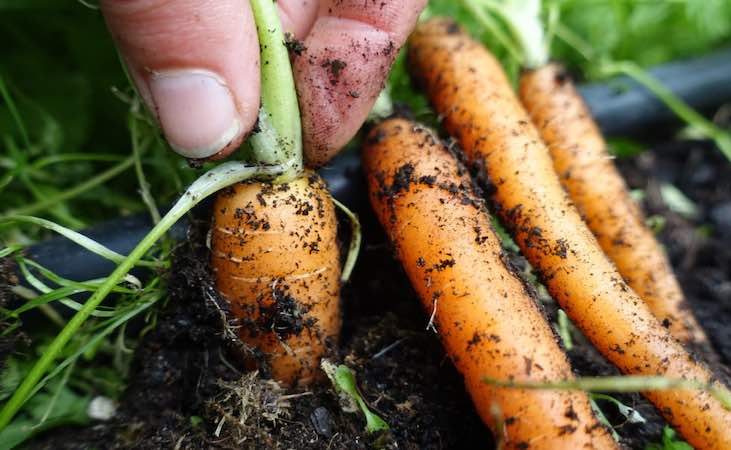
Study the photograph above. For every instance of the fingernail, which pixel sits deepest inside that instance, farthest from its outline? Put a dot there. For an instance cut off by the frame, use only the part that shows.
(196, 111)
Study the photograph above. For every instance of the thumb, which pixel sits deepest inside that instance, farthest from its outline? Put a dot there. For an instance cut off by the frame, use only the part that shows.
(196, 65)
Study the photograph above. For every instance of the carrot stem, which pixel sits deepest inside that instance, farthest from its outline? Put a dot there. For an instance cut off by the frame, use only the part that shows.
(494, 28)
(280, 135)
(147, 198)
(527, 43)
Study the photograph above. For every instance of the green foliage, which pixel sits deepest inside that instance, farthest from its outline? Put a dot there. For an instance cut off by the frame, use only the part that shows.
(65, 153)
(88, 353)
(697, 124)
(62, 401)
(624, 148)
(669, 442)
(646, 32)
(52, 407)
(64, 103)
(139, 298)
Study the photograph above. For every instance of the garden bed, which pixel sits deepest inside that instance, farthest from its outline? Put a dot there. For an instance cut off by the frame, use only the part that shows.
(186, 389)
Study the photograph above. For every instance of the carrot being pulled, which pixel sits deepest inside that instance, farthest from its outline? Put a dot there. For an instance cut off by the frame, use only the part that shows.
(487, 320)
(273, 243)
(275, 259)
(597, 189)
(469, 89)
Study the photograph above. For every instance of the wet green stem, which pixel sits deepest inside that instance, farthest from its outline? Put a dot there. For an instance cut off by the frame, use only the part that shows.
(279, 138)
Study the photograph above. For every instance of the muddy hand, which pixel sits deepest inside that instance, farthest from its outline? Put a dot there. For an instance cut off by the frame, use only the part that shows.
(196, 64)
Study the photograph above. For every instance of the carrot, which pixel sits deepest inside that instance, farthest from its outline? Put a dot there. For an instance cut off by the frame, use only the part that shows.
(469, 89)
(275, 259)
(597, 189)
(488, 321)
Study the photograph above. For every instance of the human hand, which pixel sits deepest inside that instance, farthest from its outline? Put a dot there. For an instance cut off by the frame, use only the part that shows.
(196, 65)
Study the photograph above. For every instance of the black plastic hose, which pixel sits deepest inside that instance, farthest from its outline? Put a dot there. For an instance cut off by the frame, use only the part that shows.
(621, 106)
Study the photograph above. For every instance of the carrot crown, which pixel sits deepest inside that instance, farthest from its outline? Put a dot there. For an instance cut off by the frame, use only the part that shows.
(525, 39)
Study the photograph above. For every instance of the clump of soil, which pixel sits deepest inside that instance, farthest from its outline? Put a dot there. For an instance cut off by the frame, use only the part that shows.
(187, 389)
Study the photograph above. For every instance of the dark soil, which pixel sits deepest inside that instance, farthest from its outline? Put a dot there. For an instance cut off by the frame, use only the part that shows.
(185, 369)
(698, 247)
(185, 384)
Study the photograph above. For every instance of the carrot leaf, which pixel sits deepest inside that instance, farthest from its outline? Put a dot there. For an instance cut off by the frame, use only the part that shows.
(631, 414)
(343, 379)
(678, 202)
(603, 419)
(355, 238)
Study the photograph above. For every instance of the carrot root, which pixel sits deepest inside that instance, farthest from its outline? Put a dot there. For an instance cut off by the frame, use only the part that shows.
(469, 89)
(594, 184)
(275, 258)
(486, 318)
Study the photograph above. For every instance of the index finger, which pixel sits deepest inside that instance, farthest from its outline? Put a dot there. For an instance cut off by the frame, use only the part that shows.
(342, 69)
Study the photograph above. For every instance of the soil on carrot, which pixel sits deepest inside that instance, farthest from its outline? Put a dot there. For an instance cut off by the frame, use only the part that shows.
(188, 391)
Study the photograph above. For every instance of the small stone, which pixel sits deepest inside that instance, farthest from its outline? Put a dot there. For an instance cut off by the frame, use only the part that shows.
(321, 421)
(101, 408)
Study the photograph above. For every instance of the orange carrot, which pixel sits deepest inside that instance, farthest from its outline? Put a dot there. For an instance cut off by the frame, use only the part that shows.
(275, 258)
(487, 319)
(470, 90)
(597, 189)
